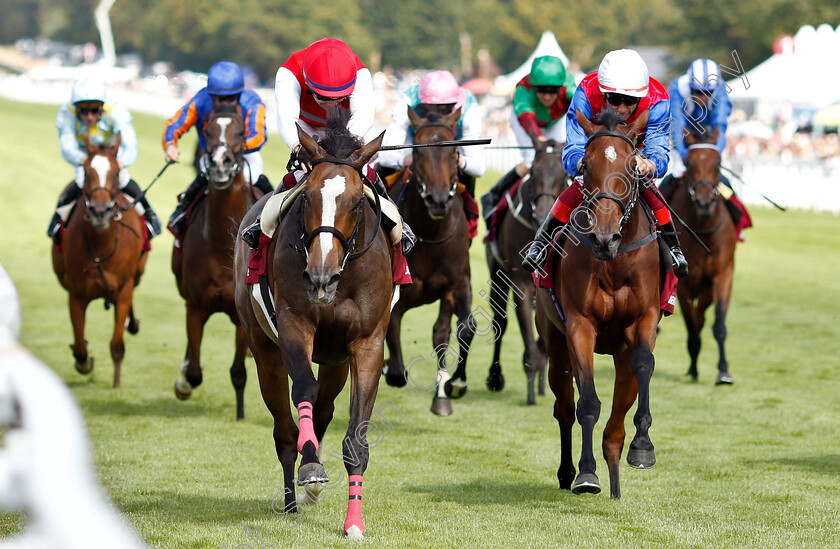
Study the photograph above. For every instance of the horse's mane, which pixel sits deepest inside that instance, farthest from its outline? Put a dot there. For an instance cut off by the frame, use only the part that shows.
(610, 118)
(337, 139)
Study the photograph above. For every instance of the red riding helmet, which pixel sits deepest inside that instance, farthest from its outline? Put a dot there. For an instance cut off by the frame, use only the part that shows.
(329, 68)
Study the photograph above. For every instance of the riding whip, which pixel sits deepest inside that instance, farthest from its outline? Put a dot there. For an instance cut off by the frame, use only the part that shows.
(160, 173)
(736, 176)
(462, 143)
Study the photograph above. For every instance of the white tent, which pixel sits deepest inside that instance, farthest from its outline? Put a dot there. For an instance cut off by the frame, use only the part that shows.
(799, 75)
(547, 45)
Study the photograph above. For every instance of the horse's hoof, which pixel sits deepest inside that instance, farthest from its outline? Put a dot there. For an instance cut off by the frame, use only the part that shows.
(311, 494)
(641, 459)
(132, 326)
(86, 366)
(183, 389)
(312, 473)
(724, 378)
(586, 483)
(392, 378)
(442, 406)
(354, 532)
(455, 388)
(692, 374)
(495, 379)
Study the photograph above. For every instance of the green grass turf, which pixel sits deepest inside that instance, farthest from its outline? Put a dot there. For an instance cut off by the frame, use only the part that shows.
(756, 464)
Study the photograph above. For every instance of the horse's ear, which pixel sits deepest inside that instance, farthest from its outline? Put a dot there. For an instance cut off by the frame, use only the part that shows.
(639, 125)
(689, 138)
(413, 117)
(715, 134)
(115, 148)
(89, 146)
(452, 118)
(361, 156)
(588, 127)
(313, 149)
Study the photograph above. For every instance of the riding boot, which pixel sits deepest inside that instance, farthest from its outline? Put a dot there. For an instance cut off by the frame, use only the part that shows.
(69, 195)
(538, 252)
(264, 184)
(408, 237)
(152, 221)
(669, 235)
(176, 220)
(491, 199)
(468, 181)
(251, 234)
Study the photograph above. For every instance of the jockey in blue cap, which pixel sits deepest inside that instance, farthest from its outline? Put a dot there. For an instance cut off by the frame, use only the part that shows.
(89, 113)
(225, 84)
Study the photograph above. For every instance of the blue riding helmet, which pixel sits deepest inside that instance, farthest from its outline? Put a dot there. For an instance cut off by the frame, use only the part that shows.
(225, 78)
(703, 75)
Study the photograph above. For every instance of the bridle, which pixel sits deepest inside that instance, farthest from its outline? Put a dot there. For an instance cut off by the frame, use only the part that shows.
(550, 149)
(692, 186)
(414, 176)
(627, 208)
(347, 243)
(223, 144)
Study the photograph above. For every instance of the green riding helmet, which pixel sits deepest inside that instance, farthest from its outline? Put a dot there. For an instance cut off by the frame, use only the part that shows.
(547, 71)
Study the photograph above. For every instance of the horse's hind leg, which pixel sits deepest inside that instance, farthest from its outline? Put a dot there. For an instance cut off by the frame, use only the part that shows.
(395, 374)
(122, 309)
(533, 360)
(560, 381)
(624, 394)
(580, 338)
(132, 324)
(641, 454)
(722, 291)
(442, 329)
(191, 375)
(84, 362)
(693, 317)
(498, 302)
(238, 374)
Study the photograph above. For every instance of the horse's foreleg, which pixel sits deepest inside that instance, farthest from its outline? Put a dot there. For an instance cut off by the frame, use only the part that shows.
(191, 375)
(442, 329)
(533, 360)
(580, 338)
(464, 333)
(238, 374)
(364, 364)
(122, 309)
(722, 293)
(395, 374)
(78, 306)
(624, 394)
(560, 381)
(641, 453)
(693, 319)
(498, 302)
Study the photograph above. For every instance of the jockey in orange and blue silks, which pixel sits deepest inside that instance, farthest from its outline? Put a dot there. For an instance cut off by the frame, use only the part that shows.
(225, 84)
(439, 92)
(622, 82)
(90, 114)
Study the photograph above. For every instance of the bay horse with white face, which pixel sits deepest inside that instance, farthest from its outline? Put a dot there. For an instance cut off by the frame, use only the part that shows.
(101, 254)
(329, 272)
(439, 263)
(606, 289)
(709, 281)
(203, 266)
(516, 230)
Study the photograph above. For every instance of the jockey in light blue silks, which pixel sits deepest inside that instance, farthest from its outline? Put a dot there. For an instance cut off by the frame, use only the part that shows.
(88, 113)
(700, 104)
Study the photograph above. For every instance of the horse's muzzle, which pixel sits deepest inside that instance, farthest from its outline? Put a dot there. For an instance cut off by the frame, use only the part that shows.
(321, 288)
(438, 206)
(604, 246)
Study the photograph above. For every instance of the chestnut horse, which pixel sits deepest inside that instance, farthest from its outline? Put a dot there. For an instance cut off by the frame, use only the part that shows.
(608, 293)
(516, 230)
(709, 280)
(329, 270)
(439, 262)
(203, 266)
(101, 254)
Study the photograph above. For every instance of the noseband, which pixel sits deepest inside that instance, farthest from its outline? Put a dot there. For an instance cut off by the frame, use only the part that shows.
(634, 194)
(347, 243)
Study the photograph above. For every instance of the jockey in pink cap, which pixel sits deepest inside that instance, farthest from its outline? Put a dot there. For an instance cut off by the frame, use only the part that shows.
(438, 92)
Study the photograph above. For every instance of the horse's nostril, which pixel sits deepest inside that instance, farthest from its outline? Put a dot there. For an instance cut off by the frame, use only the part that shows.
(333, 281)
(616, 238)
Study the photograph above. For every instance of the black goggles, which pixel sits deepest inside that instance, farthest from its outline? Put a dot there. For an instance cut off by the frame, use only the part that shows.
(616, 99)
(548, 90)
(89, 110)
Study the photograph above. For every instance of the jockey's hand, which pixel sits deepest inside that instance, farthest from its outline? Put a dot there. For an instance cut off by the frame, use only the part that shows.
(542, 138)
(407, 160)
(299, 158)
(645, 166)
(121, 164)
(172, 154)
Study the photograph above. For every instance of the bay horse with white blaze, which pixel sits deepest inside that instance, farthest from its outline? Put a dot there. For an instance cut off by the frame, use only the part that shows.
(329, 271)
(709, 281)
(203, 265)
(440, 269)
(607, 290)
(515, 230)
(101, 254)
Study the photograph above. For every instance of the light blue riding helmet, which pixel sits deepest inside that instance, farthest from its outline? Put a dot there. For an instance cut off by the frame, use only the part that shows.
(225, 78)
(703, 75)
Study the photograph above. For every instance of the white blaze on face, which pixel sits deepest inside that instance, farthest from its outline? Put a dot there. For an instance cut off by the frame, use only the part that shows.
(610, 153)
(219, 153)
(102, 166)
(329, 193)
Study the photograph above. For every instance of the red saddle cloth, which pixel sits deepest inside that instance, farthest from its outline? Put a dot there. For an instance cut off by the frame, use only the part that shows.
(745, 222)
(544, 278)
(499, 212)
(258, 263)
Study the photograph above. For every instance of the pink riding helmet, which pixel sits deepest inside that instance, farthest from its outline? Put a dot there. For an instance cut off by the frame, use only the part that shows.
(440, 88)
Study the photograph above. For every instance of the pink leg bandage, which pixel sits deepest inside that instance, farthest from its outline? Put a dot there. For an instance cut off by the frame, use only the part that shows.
(307, 430)
(354, 505)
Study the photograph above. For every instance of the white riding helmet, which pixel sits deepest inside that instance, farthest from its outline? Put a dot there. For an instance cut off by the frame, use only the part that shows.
(88, 89)
(624, 72)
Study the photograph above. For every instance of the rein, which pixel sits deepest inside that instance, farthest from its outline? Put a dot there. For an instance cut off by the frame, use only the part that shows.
(347, 243)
